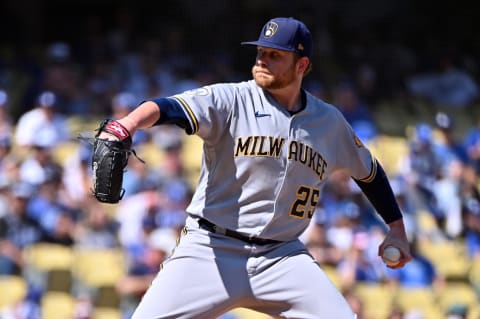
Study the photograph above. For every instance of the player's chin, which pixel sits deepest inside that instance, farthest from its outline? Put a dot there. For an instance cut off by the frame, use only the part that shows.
(263, 80)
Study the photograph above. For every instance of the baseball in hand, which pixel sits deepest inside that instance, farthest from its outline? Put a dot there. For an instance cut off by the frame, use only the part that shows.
(391, 256)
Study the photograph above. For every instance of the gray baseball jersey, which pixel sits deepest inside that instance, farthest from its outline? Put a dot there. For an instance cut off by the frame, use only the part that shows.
(262, 174)
(263, 169)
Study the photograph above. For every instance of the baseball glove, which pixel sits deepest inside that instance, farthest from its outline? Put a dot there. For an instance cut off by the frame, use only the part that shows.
(109, 159)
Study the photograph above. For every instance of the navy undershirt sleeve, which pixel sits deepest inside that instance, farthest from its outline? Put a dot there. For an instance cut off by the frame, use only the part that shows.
(381, 196)
(171, 112)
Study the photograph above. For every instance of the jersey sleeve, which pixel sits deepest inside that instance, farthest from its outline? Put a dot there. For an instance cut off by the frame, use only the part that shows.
(352, 154)
(208, 109)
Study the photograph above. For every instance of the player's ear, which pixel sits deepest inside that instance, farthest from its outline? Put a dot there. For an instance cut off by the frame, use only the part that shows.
(303, 64)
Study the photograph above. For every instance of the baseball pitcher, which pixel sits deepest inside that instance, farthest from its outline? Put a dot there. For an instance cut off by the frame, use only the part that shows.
(269, 147)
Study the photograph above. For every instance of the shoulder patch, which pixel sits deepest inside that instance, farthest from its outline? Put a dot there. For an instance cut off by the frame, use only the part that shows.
(204, 91)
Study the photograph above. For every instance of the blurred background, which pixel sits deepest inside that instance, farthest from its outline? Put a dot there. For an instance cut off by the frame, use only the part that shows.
(405, 74)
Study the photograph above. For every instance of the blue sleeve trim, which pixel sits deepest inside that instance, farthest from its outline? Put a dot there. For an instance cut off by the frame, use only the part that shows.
(172, 112)
(381, 196)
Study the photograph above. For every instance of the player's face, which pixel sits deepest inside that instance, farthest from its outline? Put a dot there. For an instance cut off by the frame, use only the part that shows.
(274, 69)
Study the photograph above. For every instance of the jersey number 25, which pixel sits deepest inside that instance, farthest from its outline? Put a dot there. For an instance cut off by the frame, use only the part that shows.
(304, 204)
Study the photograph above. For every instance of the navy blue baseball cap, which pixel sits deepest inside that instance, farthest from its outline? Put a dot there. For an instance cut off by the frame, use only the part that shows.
(286, 34)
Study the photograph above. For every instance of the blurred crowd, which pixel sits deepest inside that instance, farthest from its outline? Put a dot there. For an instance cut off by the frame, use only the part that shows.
(44, 199)
(48, 200)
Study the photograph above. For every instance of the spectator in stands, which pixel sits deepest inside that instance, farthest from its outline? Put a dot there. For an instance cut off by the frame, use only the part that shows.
(142, 271)
(155, 206)
(315, 237)
(174, 184)
(64, 229)
(38, 163)
(122, 104)
(453, 158)
(472, 143)
(6, 158)
(420, 168)
(97, 229)
(449, 84)
(457, 311)
(400, 188)
(4, 200)
(433, 168)
(449, 148)
(17, 230)
(171, 143)
(138, 177)
(43, 124)
(6, 123)
(446, 190)
(178, 194)
(470, 195)
(336, 200)
(356, 112)
(133, 212)
(359, 264)
(47, 206)
(77, 172)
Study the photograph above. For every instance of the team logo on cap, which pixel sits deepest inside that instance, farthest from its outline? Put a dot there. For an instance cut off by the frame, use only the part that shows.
(271, 29)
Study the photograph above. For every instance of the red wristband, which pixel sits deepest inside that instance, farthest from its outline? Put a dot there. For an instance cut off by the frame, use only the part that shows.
(117, 129)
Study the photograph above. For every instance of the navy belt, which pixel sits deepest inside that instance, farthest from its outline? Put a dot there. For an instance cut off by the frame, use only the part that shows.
(211, 227)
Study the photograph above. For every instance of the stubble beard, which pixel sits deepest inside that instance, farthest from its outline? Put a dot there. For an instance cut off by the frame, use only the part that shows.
(270, 81)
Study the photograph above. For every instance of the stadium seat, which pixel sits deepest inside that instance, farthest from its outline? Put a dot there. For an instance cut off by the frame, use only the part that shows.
(49, 266)
(12, 290)
(46, 256)
(474, 274)
(107, 297)
(192, 157)
(57, 305)
(458, 293)
(106, 313)
(59, 280)
(426, 222)
(99, 267)
(377, 299)
(63, 151)
(332, 274)
(409, 299)
(449, 258)
(389, 150)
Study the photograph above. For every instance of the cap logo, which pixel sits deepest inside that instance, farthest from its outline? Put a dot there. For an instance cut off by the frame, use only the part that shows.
(300, 47)
(271, 29)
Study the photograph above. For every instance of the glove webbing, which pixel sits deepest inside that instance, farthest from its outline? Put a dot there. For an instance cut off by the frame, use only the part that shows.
(91, 140)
